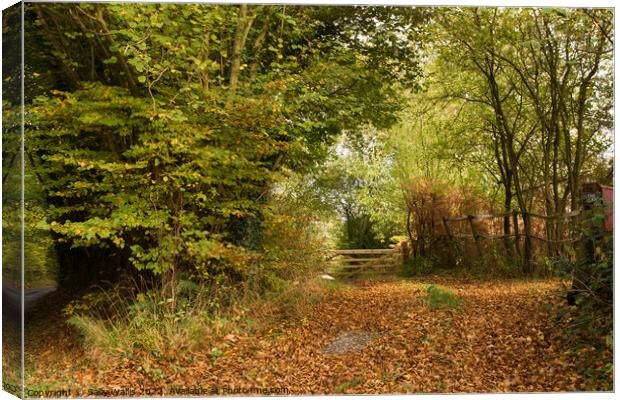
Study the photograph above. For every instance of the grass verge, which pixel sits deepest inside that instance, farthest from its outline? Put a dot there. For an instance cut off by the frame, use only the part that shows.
(115, 325)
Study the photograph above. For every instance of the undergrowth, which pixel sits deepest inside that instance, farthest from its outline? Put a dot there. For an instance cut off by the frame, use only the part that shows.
(589, 320)
(116, 324)
(419, 266)
(489, 266)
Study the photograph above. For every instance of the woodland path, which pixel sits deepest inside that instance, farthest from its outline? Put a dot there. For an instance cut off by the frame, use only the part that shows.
(503, 338)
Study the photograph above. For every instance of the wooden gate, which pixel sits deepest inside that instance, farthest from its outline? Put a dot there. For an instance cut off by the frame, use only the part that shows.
(357, 260)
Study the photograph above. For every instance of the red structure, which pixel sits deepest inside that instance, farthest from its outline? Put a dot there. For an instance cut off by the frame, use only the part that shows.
(592, 192)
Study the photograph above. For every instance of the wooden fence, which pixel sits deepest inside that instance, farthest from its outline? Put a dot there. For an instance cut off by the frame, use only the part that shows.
(466, 238)
(554, 231)
(515, 225)
(357, 260)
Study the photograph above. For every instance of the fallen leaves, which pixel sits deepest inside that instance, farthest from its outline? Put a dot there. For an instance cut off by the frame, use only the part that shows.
(231, 338)
(503, 339)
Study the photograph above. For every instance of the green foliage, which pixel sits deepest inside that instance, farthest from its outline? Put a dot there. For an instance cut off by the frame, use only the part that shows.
(317, 62)
(220, 145)
(132, 180)
(121, 322)
(294, 242)
(216, 353)
(435, 140)
(159, 144)
(352, 384)
(441, 298)
(508, 72)
(40, 258)
(418, 266)
(356, 184)
(11, 194)
(590, 324)
(592, 272)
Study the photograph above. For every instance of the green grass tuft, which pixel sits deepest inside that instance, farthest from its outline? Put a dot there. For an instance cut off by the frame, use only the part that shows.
(439, 297)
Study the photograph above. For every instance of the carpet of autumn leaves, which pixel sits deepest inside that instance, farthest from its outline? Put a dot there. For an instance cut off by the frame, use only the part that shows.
(505, 337)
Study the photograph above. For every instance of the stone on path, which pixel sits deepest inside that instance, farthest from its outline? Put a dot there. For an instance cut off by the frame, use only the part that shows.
(349, 341)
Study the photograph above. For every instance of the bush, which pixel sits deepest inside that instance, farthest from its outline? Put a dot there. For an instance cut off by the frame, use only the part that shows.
(439, 297)
(276, 281)
(294, 247)
(590, 329)
(419, 265)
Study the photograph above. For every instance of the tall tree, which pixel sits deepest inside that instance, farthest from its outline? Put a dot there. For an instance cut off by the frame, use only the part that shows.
(175, 119)
(543, 76)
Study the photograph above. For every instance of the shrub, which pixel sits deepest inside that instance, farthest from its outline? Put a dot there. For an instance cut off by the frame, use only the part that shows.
(277, 281)
(294, 244)
(419, 265)
(591, 320)
(439, 297)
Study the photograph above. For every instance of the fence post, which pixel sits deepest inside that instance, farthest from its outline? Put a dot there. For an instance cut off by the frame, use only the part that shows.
(404, 248)
(515, 222)
(455, 247)
(474, 233)
(447, 227)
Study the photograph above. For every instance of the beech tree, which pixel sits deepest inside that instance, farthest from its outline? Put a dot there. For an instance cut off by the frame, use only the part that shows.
(167, 124)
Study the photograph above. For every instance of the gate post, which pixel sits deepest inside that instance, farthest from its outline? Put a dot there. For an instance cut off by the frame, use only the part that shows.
(404, 248)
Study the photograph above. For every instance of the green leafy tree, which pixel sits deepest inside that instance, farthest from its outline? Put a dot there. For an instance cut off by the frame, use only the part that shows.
(168, 124)
(518, 66)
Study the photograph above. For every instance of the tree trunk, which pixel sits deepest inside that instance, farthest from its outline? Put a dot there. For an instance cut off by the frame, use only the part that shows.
(244, 23)
(507, 209)
(528, 253)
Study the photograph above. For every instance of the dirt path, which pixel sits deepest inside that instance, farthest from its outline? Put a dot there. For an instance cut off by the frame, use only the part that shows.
(499, 341)
(502, 339)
